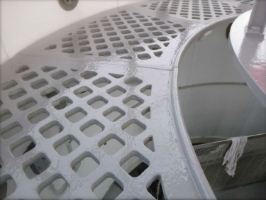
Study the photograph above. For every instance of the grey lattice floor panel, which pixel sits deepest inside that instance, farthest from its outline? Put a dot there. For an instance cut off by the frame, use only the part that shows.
(111, 77)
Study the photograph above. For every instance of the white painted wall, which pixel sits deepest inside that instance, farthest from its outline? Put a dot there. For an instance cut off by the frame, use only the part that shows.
(24, 22)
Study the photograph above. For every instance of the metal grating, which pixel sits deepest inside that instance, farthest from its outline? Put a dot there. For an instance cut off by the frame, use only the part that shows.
(120, 34)
(107, 104)
(200, 10)
(104, 81)
(251, 167)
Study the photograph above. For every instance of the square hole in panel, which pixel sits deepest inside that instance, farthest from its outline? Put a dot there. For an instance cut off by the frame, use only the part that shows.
(36, 166)
(131, 21)
(22, 146)
(146, 112)
(119, 23)
(116, 91)
(133, 81)
(58, 75)
(125, 31)
(5, 115)
(121, 51)
(93, 26)
(48, 68)
(104, 20)
(111, 33)
(85, 49)
(107, 187)
(97, 35)
(146, 90)
(83, 91)
(17, 93)
(38, 115)
(101, 82)
(117, 19)
(135, 25)
(143, 35)
(117, 76)
(38, 84)
(67, 44)
(149, 143)
(157, 33)
(164, 27)
(133, 101)
(49, 93)
(7, 186)
(26, 104)
(118, 44)
(96, 30)
(163, 39)
(81, 32)
(96, 41)
(22, 69)
(29, 76)
(51, 129)
(144, 56)
(85, 164)
(10, 130)
(170, 31)
(138, 49)
(147, 24)
(114, 39)
(139, 30)
(101, 46)
(70, 83)
(53, 188)
(8, 85)
(160, 23)
(155, 188)
(75, 115)
(127, 57)
(92, 128)
(65, 39)
(122, 27)
(84, 42)
(133, 127)
(111, 144)
(154, 47)
(104, 53)
(88, 74)
(66, 145)
(97, 102)
(62, 103)
(148, 41)
(109, 29)
(134, 164)
(128, 37)
(114, 113)
(82, 37)
(133, 42)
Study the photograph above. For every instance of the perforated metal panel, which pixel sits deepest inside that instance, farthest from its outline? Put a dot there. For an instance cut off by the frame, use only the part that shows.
(251, 167)
(105, 78)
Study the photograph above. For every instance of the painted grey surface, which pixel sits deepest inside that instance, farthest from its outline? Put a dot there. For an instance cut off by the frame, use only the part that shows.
(173, 160)
(248, 53)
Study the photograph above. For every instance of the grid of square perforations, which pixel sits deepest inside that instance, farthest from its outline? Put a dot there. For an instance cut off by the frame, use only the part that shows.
(126, 35)
(51, 99)
(199, 10)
